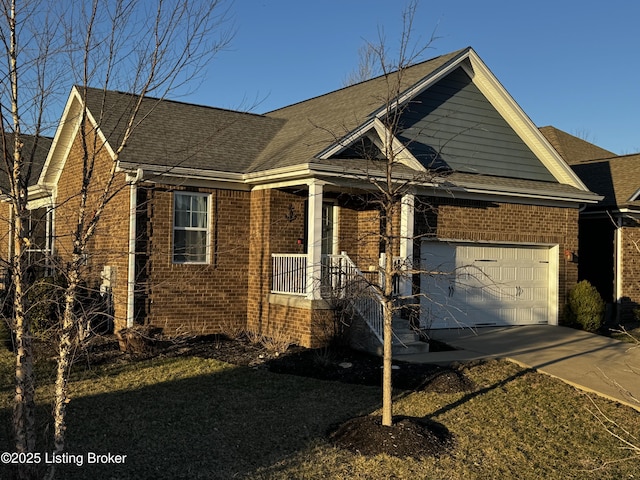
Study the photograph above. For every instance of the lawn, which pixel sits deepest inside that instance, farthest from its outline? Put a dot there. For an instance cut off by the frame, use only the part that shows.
(190, 417)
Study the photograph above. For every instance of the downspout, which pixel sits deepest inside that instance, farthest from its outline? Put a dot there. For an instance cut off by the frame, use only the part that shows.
(131, 270)
(618, 285)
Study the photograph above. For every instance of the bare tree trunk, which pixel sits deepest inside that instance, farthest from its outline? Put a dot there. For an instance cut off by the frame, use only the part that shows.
(387, 387)
(24, 420)
(389, 306)
(65, 358)
(24, 417)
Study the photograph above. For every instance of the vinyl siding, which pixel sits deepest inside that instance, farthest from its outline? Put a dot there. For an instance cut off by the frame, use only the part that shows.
(453, 125)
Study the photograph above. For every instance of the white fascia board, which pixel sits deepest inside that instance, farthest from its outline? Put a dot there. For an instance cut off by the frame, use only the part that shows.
(62, 141)
(39, 191)
(498, 96)
(635, 196)
(400, 151)
(301, 173)
(516, 195)
(184, 176)
(65, 136)
(151, 170)
(628, 211)
(425, 83)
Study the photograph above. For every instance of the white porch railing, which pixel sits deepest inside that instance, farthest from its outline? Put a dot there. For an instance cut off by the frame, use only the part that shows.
(289, 273)
(350, 283)
(340, 278)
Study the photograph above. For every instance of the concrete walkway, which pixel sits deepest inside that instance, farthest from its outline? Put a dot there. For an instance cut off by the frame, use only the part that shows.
(587, 361)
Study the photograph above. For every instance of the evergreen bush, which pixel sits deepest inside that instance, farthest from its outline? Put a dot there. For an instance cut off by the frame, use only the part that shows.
(44, 301)
(585, 308)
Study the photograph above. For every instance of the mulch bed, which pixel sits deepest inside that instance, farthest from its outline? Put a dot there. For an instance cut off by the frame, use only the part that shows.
(406, 437)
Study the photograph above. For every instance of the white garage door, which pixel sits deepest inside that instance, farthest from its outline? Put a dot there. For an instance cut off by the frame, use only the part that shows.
(481, 285)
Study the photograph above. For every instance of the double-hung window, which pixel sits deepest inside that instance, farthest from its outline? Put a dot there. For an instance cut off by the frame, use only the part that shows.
(190, 227)
(38, 250)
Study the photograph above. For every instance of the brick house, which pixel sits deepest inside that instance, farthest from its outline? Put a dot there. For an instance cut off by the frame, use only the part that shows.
(224, 220)
(609, 230)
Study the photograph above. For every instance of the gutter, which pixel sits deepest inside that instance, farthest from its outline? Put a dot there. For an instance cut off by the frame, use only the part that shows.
(303, 171)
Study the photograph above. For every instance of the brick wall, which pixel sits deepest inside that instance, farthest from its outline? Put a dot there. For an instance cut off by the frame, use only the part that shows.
(277, 222)
(275, 230)
(109, 245)
(504, 222)
(5, 232)
(199, 298)
(179, 298)
(308, 327)
(630, 299)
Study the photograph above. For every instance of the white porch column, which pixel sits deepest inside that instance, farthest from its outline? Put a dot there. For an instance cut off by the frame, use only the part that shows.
(406, 238)
(314, 240)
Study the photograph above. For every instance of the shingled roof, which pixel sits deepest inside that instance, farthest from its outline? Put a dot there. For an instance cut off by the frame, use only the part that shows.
(617, 179)
(573, 149)
(315, 124)
(175, 134)
(193, 141)
(34, 154)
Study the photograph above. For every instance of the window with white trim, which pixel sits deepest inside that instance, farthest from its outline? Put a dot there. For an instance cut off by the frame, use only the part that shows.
(190, 227)
(38, 250)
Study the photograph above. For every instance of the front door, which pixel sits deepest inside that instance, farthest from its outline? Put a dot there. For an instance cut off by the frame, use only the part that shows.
(327, 228)
(330, 265)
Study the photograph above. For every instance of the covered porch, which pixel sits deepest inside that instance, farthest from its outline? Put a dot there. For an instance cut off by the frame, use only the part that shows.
(335, 266)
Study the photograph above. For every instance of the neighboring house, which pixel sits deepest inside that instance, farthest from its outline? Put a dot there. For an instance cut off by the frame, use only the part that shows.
(225, 220)
(609, 231)
(39, 221)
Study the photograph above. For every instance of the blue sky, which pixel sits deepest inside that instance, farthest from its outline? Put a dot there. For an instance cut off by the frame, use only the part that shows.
(571, 64)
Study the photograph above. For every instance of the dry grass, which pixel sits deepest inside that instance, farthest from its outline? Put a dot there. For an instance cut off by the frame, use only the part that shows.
(200, 418)
(277, 340)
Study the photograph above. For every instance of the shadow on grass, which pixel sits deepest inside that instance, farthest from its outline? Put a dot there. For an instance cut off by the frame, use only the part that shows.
(479, 392)
(221, 425)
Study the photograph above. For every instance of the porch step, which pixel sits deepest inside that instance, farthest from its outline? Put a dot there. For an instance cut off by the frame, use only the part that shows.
(402, 332)
(410, 348)
(406, 340)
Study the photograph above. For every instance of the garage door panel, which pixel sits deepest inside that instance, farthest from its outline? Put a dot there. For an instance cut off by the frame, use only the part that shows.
(483, 285)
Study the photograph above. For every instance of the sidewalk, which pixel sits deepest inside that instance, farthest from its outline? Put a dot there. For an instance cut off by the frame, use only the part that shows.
(587, 361)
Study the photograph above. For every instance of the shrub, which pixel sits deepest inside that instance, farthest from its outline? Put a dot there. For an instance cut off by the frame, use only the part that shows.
(44, 300)
(585, 308)
(139, 339)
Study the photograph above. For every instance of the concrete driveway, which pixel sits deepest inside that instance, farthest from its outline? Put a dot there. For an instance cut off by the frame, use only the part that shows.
(590, 362)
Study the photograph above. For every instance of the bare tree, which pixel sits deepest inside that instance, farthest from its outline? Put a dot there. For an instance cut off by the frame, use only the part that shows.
(389, 190)
(145, 48)
(367, 66)
(23, 105)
